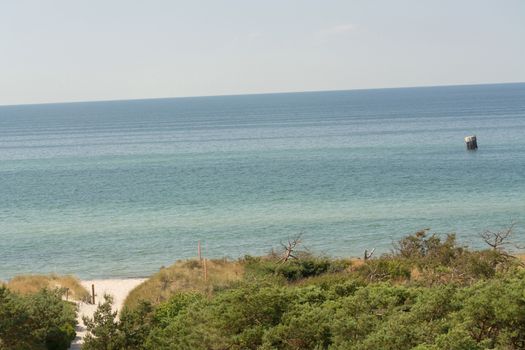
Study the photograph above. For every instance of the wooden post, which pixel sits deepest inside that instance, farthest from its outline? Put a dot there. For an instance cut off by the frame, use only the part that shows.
(93, 293)
(472, 142)
(205, 270)
(199, 250)
(368, 254)
(67, 294)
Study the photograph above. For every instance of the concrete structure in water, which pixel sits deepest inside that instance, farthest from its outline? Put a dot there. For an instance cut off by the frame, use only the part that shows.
(472, 142)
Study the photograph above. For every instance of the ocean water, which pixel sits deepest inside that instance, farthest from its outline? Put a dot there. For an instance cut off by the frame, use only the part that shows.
(118, 189)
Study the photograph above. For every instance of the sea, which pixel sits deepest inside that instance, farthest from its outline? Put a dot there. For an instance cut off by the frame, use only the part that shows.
(122, 188)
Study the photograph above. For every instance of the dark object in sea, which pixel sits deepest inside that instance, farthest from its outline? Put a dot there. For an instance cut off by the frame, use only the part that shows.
(471, 142)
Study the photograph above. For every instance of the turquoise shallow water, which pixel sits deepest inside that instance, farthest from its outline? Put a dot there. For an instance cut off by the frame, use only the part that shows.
(117, 189)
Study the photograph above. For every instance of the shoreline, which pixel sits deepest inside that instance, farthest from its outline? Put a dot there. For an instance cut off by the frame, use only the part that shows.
(519, 254)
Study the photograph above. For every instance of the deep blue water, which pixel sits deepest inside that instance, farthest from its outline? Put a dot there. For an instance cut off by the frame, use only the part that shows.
(117, 189)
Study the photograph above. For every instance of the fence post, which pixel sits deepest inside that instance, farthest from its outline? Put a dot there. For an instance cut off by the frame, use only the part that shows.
(205, 270)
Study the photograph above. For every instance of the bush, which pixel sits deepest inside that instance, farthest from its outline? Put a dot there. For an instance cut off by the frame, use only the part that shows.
(436, 261)
(425, 250)
(293, 269)
(103, 328)
(37, 321)
(384, 269)
(169, 310)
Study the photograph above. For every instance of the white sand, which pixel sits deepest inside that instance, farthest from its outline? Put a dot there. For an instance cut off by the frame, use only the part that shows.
(118, 288)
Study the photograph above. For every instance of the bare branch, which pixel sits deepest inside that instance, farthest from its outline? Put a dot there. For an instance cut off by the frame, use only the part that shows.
(368, 254)
(497, 240)
(290, 248)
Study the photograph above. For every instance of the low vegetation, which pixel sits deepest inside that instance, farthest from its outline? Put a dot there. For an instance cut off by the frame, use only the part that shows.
(31, 284)
(430, 293)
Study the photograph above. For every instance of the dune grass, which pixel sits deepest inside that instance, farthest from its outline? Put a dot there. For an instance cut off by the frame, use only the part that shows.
(31, 284)
(184, 276)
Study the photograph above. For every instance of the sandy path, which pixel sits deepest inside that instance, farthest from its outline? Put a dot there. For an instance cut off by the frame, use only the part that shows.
(118, 288)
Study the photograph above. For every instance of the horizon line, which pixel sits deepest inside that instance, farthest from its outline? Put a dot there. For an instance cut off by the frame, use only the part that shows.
(259, 93)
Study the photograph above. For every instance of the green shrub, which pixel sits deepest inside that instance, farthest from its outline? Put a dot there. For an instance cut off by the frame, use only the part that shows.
(37, 321)
(428, 250)
(293, 269)
(305, 326)
(438, 261)
(167, 311)
(103, 328)
(385, 268)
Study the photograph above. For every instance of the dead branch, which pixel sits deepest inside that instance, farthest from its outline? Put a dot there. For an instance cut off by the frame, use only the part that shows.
(368, 254)
(290, 248)
(497, 240)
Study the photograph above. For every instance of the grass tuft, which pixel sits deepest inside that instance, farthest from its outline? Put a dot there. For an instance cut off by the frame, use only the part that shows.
(32, 284)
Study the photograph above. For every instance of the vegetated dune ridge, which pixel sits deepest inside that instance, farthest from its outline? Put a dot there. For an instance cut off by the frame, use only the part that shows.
(428, 292)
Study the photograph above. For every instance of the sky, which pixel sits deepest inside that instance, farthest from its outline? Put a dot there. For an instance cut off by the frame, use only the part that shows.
(83, 50)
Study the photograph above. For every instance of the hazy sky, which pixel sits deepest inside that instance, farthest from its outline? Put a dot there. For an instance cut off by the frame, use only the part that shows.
(69, 50)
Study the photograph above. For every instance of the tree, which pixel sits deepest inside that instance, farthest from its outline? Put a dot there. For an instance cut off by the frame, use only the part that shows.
(103, 328)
